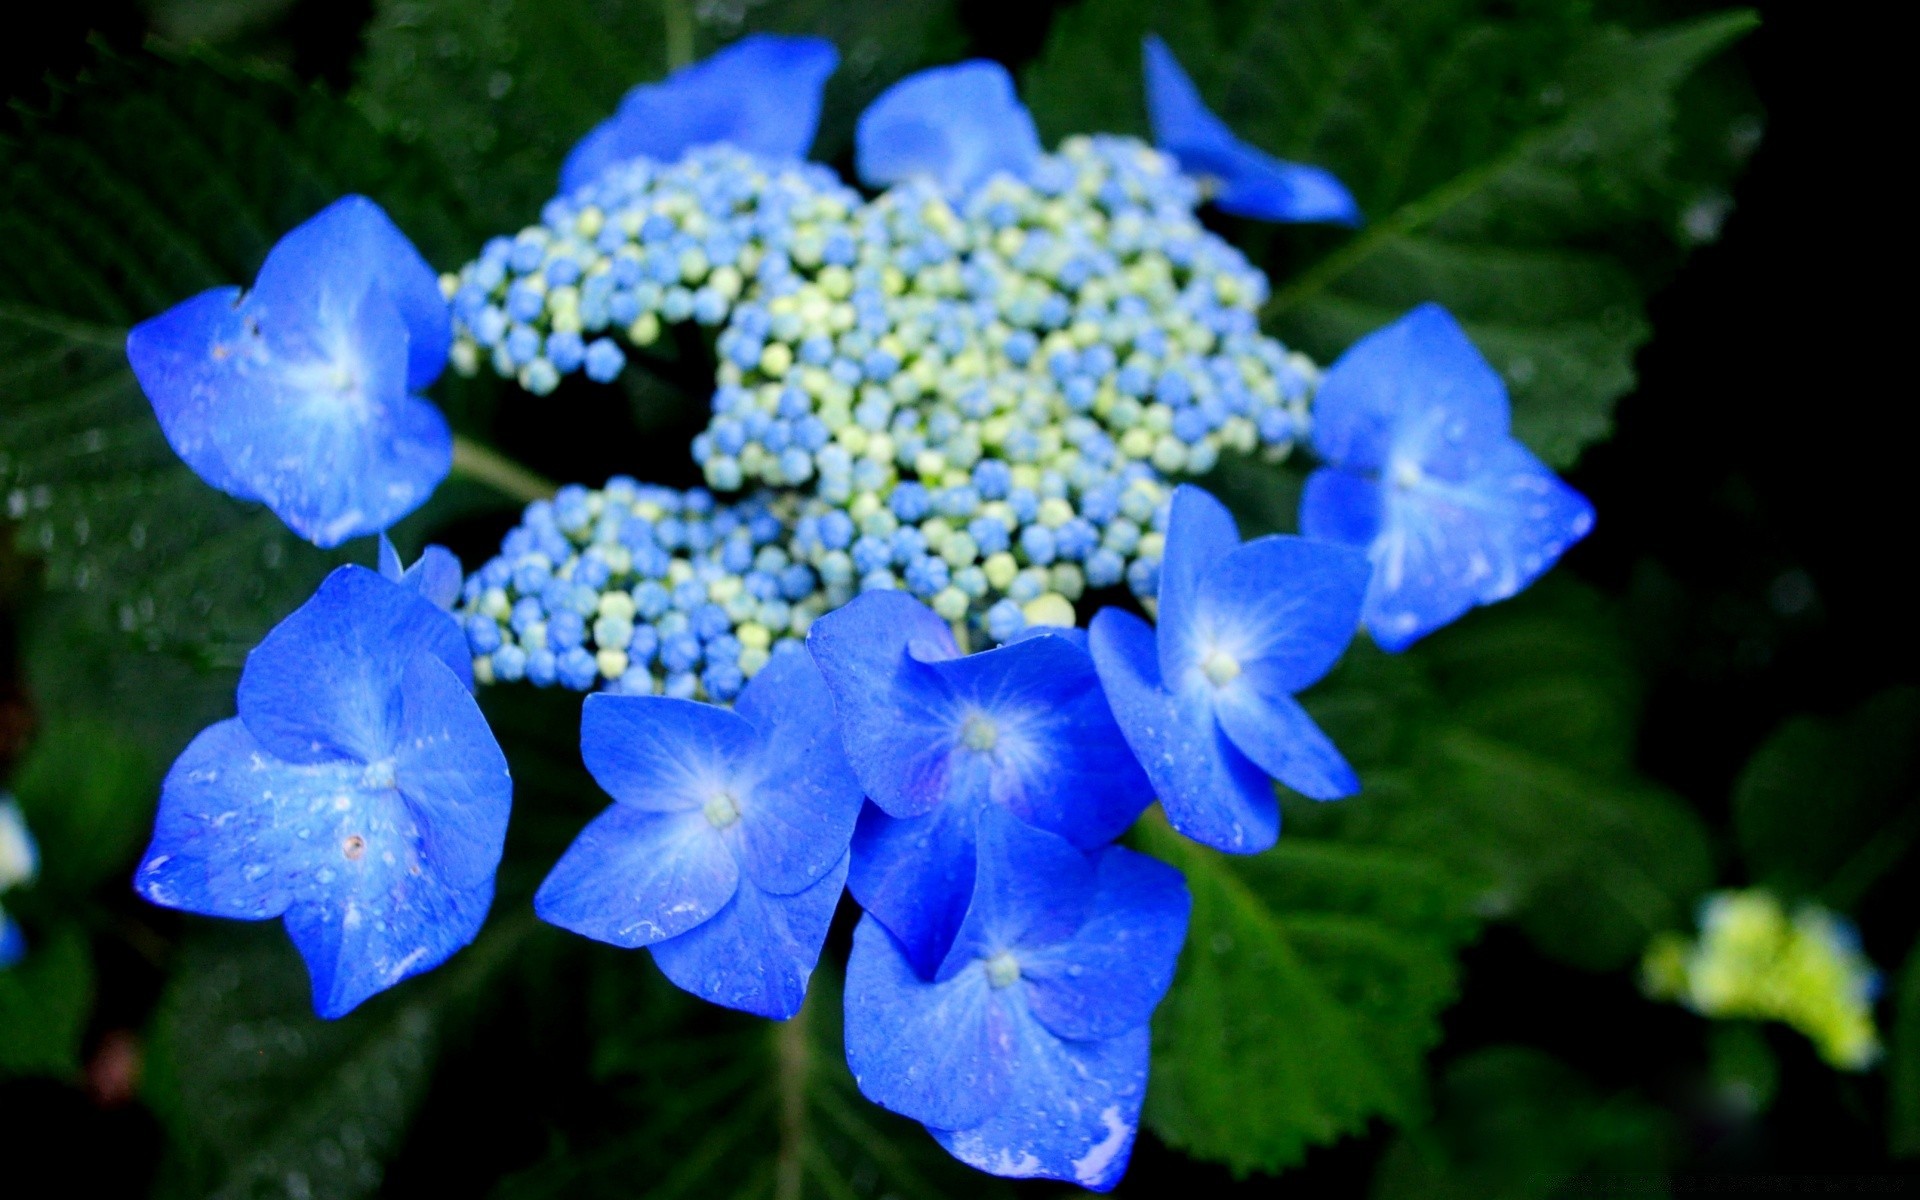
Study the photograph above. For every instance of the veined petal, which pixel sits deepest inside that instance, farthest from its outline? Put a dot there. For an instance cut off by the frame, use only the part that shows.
(1200, 535)
(180, 358)
(658, 754)
(1283, 606)
(327, 681)
(436, 574)
(1249, 181)
(758, 952)
(390, 926)
(1268, 725)
(762, 94)
(941, 1053)
(1071, 1109)
(1211, 791)
(450, 769)
(633, 877)
(957, 125)
(798, 812)
(1107, 977)
(1031, 889)
(915, 875)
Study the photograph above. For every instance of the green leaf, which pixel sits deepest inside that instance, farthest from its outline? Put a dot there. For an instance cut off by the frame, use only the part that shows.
(148, 181)
(502, 91)
(87, 794)
(1514, 1124)
(1307, 996)
(1513, 163)
(1826, 807)
(44, 1003)
(261, 1095)
(707, 1103)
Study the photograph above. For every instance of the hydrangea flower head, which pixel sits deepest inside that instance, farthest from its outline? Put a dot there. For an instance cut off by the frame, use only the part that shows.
(1206, 701)
(358, 794)
(1025, 1051)
(761, 94)
(956, 125)
(936, 736)
(727, 848)
(300, 393)
(1423, 474)
(1245, 180)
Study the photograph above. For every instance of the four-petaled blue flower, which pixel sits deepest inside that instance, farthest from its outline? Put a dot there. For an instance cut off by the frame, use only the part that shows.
(1246, 181)
(1423, 475)
(957, 125)
(1206, 700)
(1025, 1051)
(727, 849)
(300, 392)
(359, 794)
(935, 737)
(760, 94)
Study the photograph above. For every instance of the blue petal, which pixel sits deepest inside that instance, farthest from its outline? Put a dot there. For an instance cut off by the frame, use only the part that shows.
(436, 574)
(1107, 978)
(761, 94)
(896, 715)
(941, 1053)
(1282, 608)
(633, 878)
(1200, 535)
(797, 812)
(1414, 395)
(335, 256)
(1446, 547)
(1341, 507)
(176, 358)
(1070, 1110)
(1269, 726)
(1211, 791)
(450, 769)
(663, 755)
(1250, 182)
(758, 952)
(13, 941)
(958, 125)
(1031, 889)
(327, 681)
(349, 862)
(1058, 760)
(915, 875)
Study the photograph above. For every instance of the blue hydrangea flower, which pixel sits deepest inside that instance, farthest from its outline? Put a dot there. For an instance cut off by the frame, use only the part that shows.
(957, 125)
(435, 574)
(1025, 1051)
(1423, 475)
(727, 849)
(761, 94)
(1206, 700)
(935, 736)
(359, 793)
(1246, 181)
(301, 392)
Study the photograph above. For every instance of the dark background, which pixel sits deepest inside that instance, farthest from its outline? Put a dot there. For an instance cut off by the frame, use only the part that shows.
(1755, 519)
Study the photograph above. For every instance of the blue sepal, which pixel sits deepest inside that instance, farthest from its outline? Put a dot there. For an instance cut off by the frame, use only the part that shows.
(758, 952)
(957, 125)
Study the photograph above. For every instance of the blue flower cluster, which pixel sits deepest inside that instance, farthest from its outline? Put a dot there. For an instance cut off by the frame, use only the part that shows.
(967, 401)
(643, 590)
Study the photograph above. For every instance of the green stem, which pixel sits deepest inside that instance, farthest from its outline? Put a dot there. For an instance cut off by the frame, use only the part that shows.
(483, 464)
(792, 1061)
(960, 636)
(679, 19)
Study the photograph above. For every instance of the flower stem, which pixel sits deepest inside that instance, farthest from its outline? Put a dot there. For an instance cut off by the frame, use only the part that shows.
(960, 637)
(679, 19)
(792, 1063)
(483, 464)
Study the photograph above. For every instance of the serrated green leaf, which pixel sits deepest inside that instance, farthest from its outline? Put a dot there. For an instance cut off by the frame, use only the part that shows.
(45, 1000)
(148, 181)
(1307, 996)
(1826, 807)
(263, 1097)
(1515, 1124)
(1507, 160)
(87, 794)
(502, 91)
(716, 1104)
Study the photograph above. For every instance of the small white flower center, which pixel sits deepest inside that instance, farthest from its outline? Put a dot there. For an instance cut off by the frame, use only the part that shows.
(980, 733)
(378, 775)
(1002, 970)
(721, 810)
(1220, 668)
(1404, 473)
